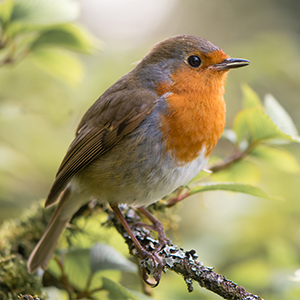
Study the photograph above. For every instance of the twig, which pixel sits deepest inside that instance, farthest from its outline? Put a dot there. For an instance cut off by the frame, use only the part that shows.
(232, 159)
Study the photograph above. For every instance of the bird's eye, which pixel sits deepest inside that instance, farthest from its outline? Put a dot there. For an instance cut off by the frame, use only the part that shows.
(194, 61)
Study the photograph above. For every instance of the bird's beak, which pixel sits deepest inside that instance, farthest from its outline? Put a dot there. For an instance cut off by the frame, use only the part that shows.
(232, 63)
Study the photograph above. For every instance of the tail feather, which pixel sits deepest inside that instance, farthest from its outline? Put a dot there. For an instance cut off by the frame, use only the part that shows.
(43, 250)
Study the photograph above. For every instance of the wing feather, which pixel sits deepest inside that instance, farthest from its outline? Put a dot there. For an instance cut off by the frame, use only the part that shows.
(93, 141)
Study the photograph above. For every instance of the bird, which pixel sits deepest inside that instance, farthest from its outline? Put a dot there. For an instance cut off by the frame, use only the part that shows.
(148, 134)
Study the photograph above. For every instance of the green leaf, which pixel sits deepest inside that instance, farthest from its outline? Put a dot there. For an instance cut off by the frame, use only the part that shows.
(232, 187)
(279, 116)
(34, 15)
(54, 268)
(278, 158)
(257, 126)
(250, 99)
(241, 171)
(59, 64)
(97, 281)
(6, 9)
(77, 267)
(105, 257)
(45, 12)
(117, 291)
(203, 174)
(53, 293)
(271, 123)
(65, 36)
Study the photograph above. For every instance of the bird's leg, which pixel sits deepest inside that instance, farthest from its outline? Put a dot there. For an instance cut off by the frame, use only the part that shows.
(157, 226)
(157, 262)
(138, 246)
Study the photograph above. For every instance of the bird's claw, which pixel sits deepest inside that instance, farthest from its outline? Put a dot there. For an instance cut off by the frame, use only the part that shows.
(155, 268)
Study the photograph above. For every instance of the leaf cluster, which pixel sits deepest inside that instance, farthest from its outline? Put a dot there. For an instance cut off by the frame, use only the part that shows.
(46, 32)
(92, 273)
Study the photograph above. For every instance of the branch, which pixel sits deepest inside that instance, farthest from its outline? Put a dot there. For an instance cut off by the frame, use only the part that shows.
(182, 262)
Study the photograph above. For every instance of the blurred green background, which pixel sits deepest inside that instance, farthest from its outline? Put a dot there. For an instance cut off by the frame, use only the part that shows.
(254, 242)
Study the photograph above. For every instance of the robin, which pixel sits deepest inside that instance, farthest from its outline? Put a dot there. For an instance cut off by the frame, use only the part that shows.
(148, 134)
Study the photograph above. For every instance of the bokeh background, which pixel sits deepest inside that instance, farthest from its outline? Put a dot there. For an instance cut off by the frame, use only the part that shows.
(255, 242)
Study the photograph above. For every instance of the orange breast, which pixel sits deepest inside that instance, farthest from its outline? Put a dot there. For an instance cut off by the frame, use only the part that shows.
(195, 116)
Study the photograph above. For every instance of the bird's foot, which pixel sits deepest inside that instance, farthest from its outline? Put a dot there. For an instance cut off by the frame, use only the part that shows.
(151, 264)
(156, 226)
(162, 239)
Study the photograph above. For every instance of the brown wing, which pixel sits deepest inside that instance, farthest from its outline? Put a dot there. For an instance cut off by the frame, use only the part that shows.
(105, 123)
